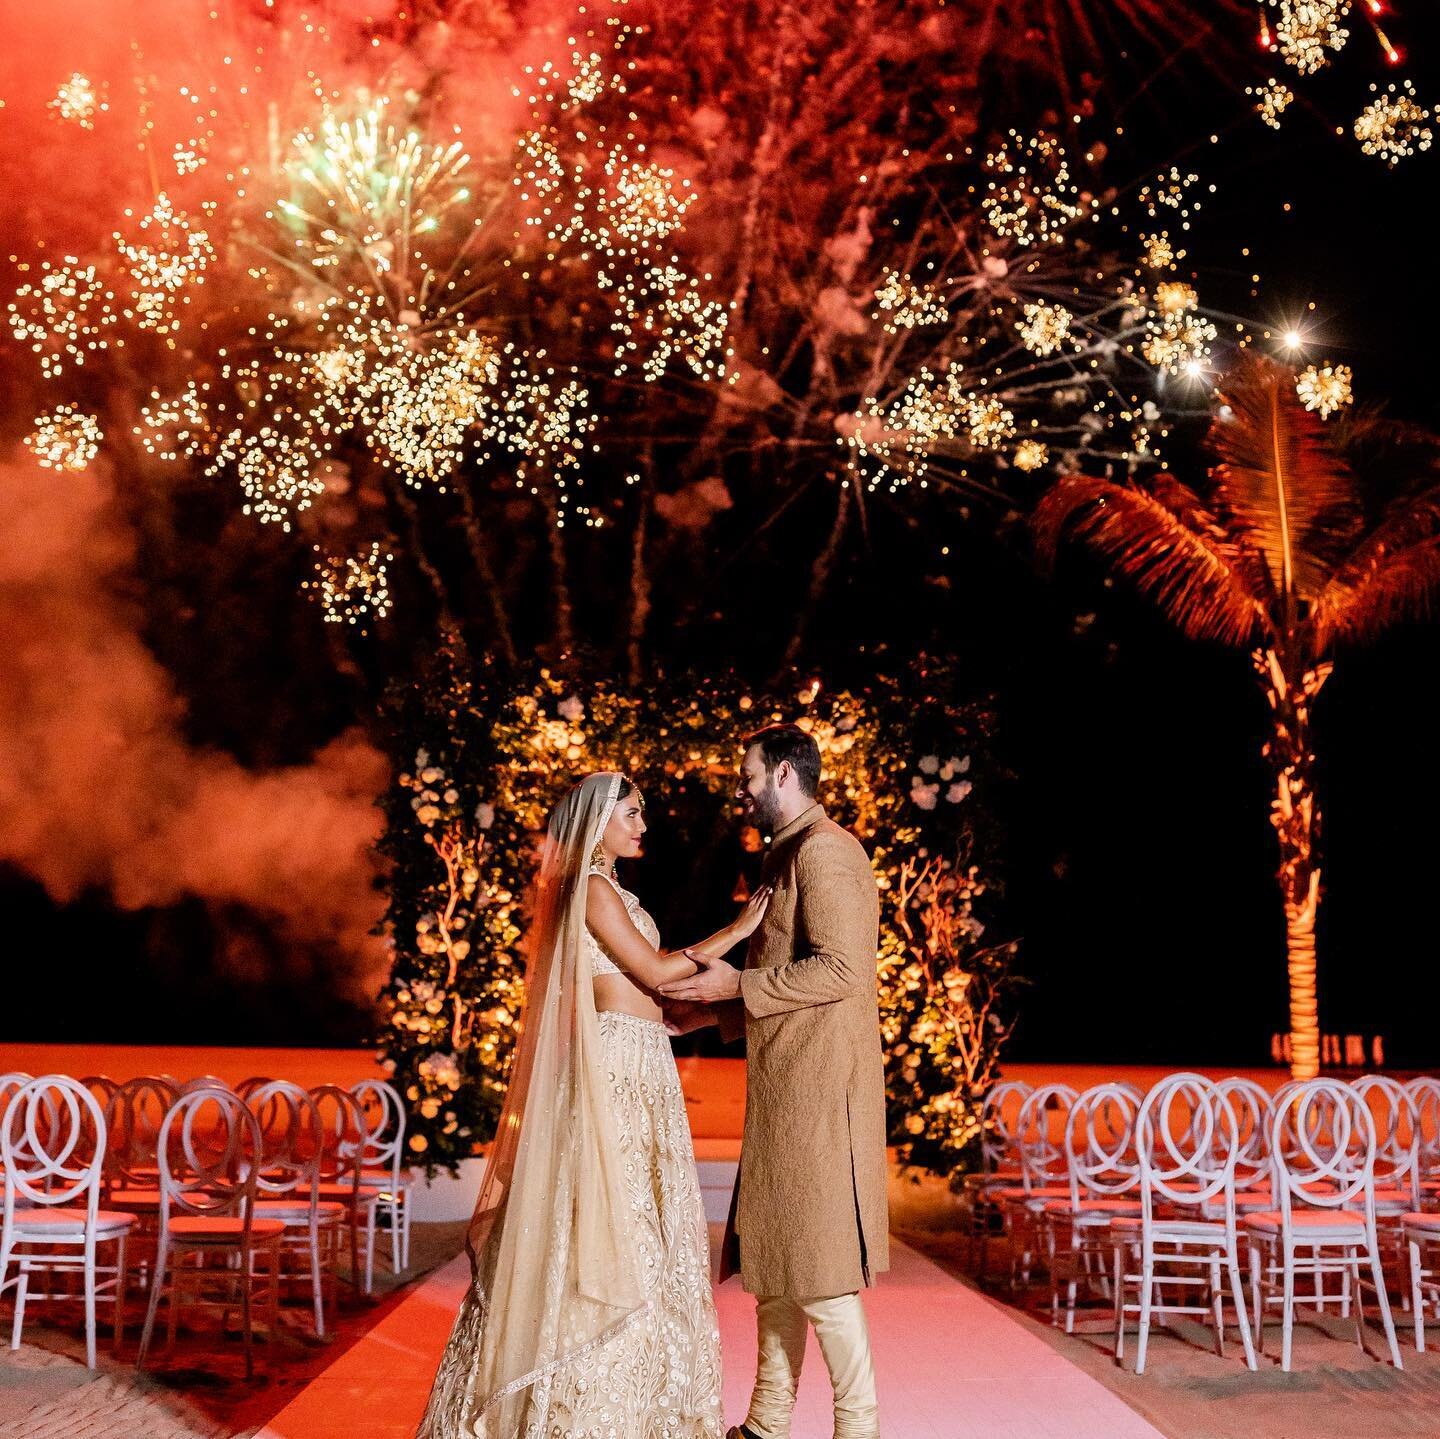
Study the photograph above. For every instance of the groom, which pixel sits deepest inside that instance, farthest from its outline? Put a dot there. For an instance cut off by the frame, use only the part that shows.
(809, 1225)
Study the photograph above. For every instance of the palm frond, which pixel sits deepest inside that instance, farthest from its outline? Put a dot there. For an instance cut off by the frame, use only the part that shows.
(1278, 479)
(1394, 575)
(1191, 576)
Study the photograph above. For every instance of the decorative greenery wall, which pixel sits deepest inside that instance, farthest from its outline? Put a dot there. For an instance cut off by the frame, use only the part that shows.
(483, 765)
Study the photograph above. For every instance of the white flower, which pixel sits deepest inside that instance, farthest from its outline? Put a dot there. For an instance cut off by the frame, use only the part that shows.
(451, 795)
(422, 758)
(929, 763)
(926, 795)
(947, 772)
(431, 775)
(484, 814)
(958, 791)
(427, 814)
(959, 765)
(571, 708)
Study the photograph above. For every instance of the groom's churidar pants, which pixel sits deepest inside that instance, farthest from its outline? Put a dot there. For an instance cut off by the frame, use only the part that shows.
(845, 1343)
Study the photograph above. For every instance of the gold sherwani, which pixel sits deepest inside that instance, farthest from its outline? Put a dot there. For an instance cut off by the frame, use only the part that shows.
(809, 1216)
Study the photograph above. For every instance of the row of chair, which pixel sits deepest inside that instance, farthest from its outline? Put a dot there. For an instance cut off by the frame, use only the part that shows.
(216, 1184)
(1182, 1188)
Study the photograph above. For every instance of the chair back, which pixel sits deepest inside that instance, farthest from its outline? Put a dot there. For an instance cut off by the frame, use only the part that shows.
(1100, 1142)
(101, 1086)
(208, 1153)
(1425, 1095)
(248, 1086)
(52, 1146)
(1040, 1136)
(1322, 1148)
(291, 1141)
(1397, 1133)
(203, 1081)
(342, 1134)
(1187, 1144)
(9, 1084)
(1251, 1107)
(133, 1116)
(383, 1113)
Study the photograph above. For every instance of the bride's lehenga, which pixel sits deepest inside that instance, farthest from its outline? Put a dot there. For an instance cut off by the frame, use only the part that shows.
(658, 1376)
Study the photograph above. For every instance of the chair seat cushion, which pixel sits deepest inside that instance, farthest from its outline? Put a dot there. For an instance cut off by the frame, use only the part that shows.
(1430, 1222)
(1041, 1191)
(299, 1208)
(1337, 1219)
(133, 1199)
(385, 1177)
(70, 1219)
(1094, 1206)
(1389, 1195)
(364, 1193)
(223, 1226)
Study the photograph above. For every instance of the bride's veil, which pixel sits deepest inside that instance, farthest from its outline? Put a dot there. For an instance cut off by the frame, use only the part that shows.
(552, 1242)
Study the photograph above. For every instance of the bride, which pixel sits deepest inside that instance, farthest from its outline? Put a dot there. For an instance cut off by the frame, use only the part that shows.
(590, 1315)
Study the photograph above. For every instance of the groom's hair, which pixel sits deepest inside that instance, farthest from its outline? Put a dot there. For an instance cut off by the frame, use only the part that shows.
(788, 743)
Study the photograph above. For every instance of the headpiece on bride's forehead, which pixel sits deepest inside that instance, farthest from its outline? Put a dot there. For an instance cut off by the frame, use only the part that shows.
(612, 798)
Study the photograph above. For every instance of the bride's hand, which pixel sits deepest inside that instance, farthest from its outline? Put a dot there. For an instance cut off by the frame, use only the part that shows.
(748, 920)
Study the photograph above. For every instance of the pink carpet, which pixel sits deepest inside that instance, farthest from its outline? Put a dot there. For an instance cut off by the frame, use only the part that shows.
(952, 1365)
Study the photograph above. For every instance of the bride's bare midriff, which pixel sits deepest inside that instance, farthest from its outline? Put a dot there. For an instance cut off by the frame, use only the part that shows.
(620, 993)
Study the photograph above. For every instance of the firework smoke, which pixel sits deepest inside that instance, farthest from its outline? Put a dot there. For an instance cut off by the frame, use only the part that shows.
(99, 787)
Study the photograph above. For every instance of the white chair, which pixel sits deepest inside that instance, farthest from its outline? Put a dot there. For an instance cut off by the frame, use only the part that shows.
(1101, 1175)
(1322, 1156)
(344, 1130)
(1040, 1145)
(1421, 1227)
(1424, 1093)
(209, 1146)
(1187, 1141)
(52, 1144)
(1397, 1143)
(288, 1184)
(384, 1160)
(133, 1115)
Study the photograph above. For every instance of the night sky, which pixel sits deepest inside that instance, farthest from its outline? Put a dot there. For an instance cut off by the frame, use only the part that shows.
(1138, 855)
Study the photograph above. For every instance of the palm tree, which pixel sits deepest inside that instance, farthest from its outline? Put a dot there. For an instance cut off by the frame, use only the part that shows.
(1280, 554)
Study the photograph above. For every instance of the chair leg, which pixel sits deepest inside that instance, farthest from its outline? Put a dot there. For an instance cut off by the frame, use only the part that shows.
(121, 1273)
(1121, 1255)
(1417, 1297)
(1383, 1300)
(315, 1285)
(1147, 1284)
(1217, 1305)
(89, 1279)
(246, 1280)
(1287, 1311)
(1237, 1291)
(372, 1216)
(22, 1288)
(405, 1212)
(157, 1283)
(1257, 1295)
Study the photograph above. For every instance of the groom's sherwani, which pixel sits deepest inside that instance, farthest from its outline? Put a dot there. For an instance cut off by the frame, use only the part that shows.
(809, 1217)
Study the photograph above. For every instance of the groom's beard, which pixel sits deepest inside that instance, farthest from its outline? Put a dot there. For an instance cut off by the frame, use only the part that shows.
(767, 809)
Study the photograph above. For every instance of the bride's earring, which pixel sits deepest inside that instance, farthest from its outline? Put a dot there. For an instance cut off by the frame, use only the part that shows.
(597, 857)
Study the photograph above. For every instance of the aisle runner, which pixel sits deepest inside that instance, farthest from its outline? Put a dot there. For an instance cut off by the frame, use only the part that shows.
(952, 1365)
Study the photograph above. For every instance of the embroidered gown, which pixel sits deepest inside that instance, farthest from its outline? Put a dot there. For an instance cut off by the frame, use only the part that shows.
(659, 1377)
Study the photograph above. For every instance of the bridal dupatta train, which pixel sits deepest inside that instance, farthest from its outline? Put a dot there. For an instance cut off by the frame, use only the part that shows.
(590, 1312)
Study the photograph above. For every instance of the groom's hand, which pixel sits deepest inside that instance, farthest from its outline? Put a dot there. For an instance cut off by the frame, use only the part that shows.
(714, 984)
